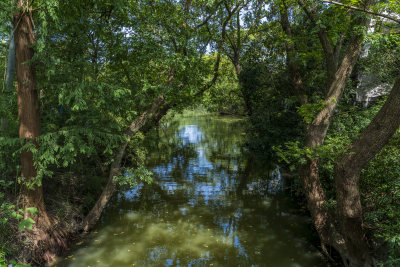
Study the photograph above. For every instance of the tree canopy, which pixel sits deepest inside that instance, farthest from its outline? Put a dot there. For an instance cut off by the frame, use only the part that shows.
(85, 81)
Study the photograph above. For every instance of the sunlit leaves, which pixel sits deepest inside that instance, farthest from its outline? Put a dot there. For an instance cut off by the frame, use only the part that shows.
(132, 177)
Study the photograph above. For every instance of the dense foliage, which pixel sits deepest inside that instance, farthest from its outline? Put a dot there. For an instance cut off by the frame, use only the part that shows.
(100, 65)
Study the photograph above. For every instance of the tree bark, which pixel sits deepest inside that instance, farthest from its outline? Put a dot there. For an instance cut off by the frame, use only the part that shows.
(244, 94)
(347, 175)
(94, 215)
(28, 108)
(41, 241)
(321, 217)
(316, 133)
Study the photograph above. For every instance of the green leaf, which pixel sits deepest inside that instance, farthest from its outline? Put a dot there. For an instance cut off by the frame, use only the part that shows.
(26, 224)
(21, 226)
(32, 210)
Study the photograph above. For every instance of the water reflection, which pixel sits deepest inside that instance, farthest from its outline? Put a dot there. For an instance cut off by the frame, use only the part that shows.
(210, 205)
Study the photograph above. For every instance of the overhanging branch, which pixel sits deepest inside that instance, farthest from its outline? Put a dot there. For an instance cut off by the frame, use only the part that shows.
(363, 10)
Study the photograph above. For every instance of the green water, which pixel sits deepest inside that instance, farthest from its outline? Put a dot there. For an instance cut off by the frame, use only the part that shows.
(210, 204)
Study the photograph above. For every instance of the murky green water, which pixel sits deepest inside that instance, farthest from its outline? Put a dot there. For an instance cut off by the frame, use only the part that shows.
(209, 205)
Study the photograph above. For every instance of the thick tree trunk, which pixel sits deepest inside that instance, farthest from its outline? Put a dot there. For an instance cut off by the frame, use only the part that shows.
(316, 198)
(347, 174)
(316, 133)
(28, 108)
(322, 219)
(157, 117)
(94, 215)
(41, 241)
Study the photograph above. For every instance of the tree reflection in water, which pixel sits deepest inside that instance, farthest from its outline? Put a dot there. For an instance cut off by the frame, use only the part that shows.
(209, 204)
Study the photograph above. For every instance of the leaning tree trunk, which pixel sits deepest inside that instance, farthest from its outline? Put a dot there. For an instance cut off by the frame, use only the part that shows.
(347, 174)
(316, 133)
(94, 215)
(315, 136)
(154, 113)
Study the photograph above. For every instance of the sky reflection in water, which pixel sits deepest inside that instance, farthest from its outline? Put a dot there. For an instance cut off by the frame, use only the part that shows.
(209, 205)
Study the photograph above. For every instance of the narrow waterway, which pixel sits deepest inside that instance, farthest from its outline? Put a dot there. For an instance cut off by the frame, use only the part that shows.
(210, 204)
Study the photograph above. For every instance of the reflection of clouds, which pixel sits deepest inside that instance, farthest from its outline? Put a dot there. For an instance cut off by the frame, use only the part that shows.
(190, 134)
(192, 215)
(201, 165)
(275, 184)
(131, 193)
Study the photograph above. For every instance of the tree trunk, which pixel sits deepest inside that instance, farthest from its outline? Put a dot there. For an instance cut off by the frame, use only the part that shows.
(94, 215)
(38, 241)
(320, 214)
(28, 108)
(316, 133)
(348, 169)
(245, 95)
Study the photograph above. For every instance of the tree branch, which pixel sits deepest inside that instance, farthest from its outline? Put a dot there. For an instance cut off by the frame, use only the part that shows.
(94, 215)
(297, 79)
(219, 49)
(363, 10)
(331, 61)
(209, 16)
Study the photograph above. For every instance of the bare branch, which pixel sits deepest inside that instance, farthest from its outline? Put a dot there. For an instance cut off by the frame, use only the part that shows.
(368, 11)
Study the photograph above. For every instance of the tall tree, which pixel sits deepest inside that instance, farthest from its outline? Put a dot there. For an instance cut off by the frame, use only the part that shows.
(28, 107)
(29, 125)
(339, 63)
